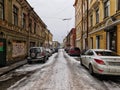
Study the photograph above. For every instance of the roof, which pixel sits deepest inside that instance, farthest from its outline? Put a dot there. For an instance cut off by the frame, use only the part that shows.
(75, 3)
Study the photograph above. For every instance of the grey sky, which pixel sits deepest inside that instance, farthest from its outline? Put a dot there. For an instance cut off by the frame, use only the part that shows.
(52, 12)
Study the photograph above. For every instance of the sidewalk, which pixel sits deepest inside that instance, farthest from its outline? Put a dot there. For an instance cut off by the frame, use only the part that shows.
(6, 69)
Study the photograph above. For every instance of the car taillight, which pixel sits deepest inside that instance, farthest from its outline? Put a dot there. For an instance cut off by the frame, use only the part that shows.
(99, 61)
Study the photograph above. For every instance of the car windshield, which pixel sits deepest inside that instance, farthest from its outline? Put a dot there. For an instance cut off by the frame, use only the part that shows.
(106, 53)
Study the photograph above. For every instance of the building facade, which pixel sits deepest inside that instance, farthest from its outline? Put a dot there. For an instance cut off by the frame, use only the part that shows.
(48, 39)
(101, 24)
(70, 39)
(20, 29)
(78, 23)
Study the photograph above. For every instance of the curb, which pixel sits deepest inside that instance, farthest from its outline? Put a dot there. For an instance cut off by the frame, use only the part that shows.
(6, 69)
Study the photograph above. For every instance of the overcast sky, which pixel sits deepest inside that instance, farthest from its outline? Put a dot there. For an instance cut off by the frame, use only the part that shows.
(52, 12)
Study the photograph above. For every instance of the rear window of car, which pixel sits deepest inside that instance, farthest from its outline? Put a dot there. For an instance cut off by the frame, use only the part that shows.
(77, 49)
(106, 53)
(35, 50)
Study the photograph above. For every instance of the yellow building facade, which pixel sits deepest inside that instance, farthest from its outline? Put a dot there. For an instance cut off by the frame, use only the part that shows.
(48, 39)
(102, 17)
(20, 29)
(78, 22)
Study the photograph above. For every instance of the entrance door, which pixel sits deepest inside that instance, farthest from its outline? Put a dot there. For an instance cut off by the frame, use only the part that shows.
(113, 38)
(2, 52)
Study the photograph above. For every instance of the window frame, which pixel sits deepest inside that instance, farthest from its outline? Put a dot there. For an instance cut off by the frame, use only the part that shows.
(98, 42)
(30, 25)
(15, 15)
(35, 25)
(118, 5)
(97, 15)
(23, 20)
(91, 20)
(106, 8)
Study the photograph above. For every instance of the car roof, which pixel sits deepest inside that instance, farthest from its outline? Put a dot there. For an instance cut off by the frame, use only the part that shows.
(36, 47)
(100, 50)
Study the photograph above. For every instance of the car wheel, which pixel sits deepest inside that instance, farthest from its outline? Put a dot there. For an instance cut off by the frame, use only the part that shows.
(81, 62)
(91, 70)
(45, 59)
(33, 55)
(29, 62)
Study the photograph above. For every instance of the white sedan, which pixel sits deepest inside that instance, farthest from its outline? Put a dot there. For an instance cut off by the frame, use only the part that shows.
(101, 61)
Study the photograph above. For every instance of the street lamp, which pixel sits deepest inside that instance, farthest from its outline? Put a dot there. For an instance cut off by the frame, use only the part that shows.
(66, 19)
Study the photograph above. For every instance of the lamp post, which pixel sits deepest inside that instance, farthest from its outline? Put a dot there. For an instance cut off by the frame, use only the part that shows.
(66, 19)
(68, 38)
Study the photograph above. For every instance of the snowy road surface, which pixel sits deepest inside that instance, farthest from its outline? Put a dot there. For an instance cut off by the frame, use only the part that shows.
(61, 72)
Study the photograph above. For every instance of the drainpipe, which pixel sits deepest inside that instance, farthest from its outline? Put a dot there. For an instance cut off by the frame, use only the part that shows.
(82, 27)
(87, 24)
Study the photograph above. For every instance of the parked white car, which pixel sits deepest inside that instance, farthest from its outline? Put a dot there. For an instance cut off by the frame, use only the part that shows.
(101, 61)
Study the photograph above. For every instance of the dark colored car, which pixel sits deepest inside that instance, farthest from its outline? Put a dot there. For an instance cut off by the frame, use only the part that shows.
(74, 51)
(37, 54)
(67, 49)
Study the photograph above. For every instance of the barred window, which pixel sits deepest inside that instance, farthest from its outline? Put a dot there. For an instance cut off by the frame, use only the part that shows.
(1, 9)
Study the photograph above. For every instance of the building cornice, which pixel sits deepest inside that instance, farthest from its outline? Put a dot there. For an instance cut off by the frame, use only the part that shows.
(75, 3)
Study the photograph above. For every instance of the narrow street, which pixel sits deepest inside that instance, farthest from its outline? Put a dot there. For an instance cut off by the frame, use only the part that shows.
(60, 72)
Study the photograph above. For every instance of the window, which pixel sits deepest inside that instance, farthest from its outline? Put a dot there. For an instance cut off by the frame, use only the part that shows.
(97, 16)
(118, 4)
(113, 43)
(98, 42)
(35, 28)
(30, 26)
(91, 20)
(1, 9)
(90, 53)
(15, 15)
(106, 8)
(23, 21)
(91, 42)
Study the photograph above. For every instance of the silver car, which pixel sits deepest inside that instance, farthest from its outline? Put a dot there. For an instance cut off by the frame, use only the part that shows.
(37, 54)
(101, 61)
